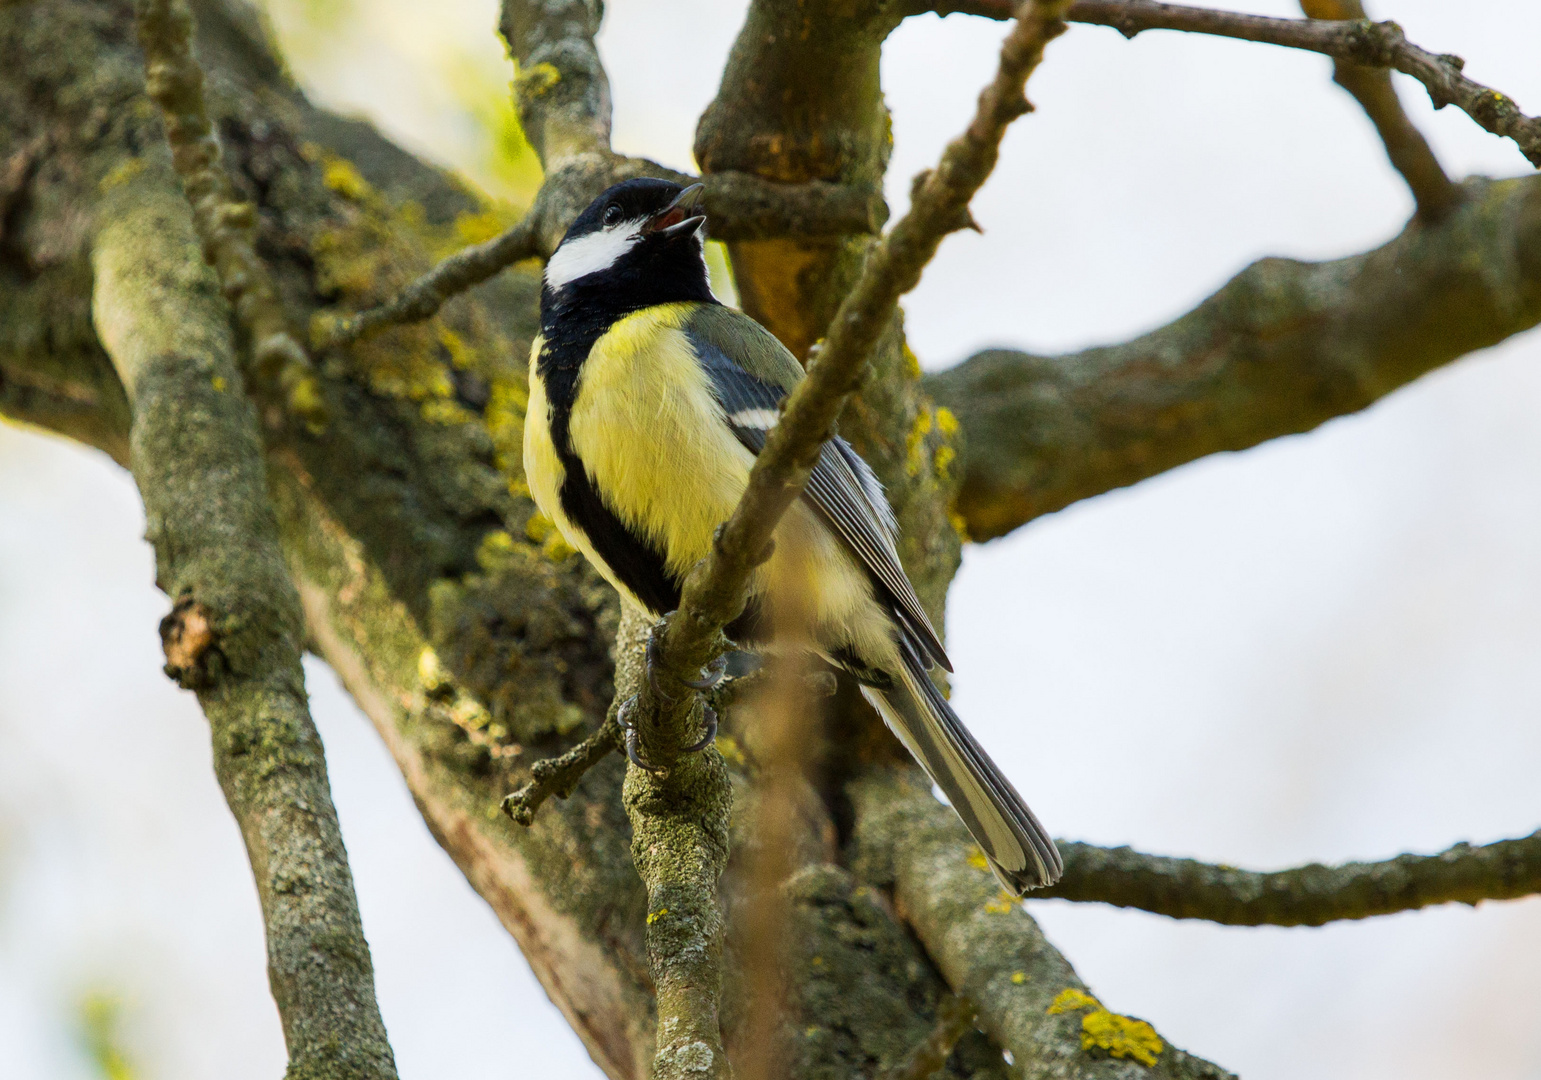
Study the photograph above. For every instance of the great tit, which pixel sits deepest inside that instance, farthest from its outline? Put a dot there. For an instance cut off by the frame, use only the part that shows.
(648, 403)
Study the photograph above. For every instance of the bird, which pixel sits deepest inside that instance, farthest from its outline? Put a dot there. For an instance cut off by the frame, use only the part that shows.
(648, 402)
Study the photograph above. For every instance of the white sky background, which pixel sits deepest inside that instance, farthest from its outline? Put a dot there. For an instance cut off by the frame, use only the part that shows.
(1324, 648)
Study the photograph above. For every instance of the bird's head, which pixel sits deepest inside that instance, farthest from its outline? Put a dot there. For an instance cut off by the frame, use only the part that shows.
(639, 243)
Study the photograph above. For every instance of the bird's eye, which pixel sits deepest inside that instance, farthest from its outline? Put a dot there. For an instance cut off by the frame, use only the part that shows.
(613, 215)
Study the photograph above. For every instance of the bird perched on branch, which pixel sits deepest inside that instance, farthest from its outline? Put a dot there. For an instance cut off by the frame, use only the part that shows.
(648, 403)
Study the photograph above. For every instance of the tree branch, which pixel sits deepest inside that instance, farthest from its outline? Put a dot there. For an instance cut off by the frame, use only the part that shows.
(1304, 896)
(1358, 42)
(1283, 347)
(226, 224)
(1433, 192)
(559, 776)
(1030, 1001)
(235, 631)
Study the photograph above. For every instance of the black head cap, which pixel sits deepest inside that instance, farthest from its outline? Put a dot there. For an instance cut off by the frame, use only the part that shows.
(636, 245)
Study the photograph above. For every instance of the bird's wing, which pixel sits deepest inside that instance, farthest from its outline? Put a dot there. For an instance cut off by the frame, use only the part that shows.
(842, 486)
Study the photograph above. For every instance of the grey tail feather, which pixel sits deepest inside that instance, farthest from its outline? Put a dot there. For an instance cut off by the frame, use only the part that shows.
(1016, 845)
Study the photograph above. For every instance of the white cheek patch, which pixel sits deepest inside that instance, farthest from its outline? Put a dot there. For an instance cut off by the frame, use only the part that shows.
(590, 254)
(760, 419)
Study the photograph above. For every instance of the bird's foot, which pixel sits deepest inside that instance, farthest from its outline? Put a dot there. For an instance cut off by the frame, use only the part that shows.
(709, 714)
(632, 742)
(714, 673)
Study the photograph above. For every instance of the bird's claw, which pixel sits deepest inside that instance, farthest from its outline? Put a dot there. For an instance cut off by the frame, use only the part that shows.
(633, 742)
(709, 714)
(714, 674)
(633, 745)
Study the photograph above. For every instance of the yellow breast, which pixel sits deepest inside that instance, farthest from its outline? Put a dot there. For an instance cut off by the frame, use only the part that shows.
(649, 431)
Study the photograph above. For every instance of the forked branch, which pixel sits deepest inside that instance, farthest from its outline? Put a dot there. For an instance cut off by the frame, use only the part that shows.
(1361, 42)
(1433, 192)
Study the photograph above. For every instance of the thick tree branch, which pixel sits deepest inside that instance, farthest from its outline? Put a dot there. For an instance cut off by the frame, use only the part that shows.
(1030, 1001)
(1433, 192)
(1304, 896)
(1358, 42)
(235, 631)
(1282, 348)
(226, 223)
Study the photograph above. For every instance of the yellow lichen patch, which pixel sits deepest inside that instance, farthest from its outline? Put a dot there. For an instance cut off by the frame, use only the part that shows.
(942, 462)
(507, 401)
(341, 176)
(1101, 1029)
(976, 859)
(1002, 904)
(946, 453)
(122, 173)
(535, 81)
(911, 362)
(480, 227)
(656, 915)
(1121, 1036)
(439, 411)
(817, 961)
(1071, 999)
(915, 442)
(959, 524)
(496, 551)
(218, 383)
(946, 422)
(460, 354)
(1018, 978)
(728, 747)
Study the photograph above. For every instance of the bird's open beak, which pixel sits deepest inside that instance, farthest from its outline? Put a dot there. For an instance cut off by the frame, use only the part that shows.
(681, 217)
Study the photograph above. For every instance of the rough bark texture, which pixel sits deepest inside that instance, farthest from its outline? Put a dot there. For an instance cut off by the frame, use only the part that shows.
(235, 630)
(477, 644)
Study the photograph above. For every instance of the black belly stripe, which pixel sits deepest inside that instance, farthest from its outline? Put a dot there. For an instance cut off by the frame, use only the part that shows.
(638, 564)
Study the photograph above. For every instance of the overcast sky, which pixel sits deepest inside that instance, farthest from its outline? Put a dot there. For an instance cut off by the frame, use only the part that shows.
(1325, 648)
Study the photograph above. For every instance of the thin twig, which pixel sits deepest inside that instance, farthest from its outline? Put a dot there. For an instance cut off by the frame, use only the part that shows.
(715, 589)
(954, 1019)
(1374, 45)
(559, 776)
(1435, 194)
(227, 225)
(1304, 896)
(423, 298)
(741, 206)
